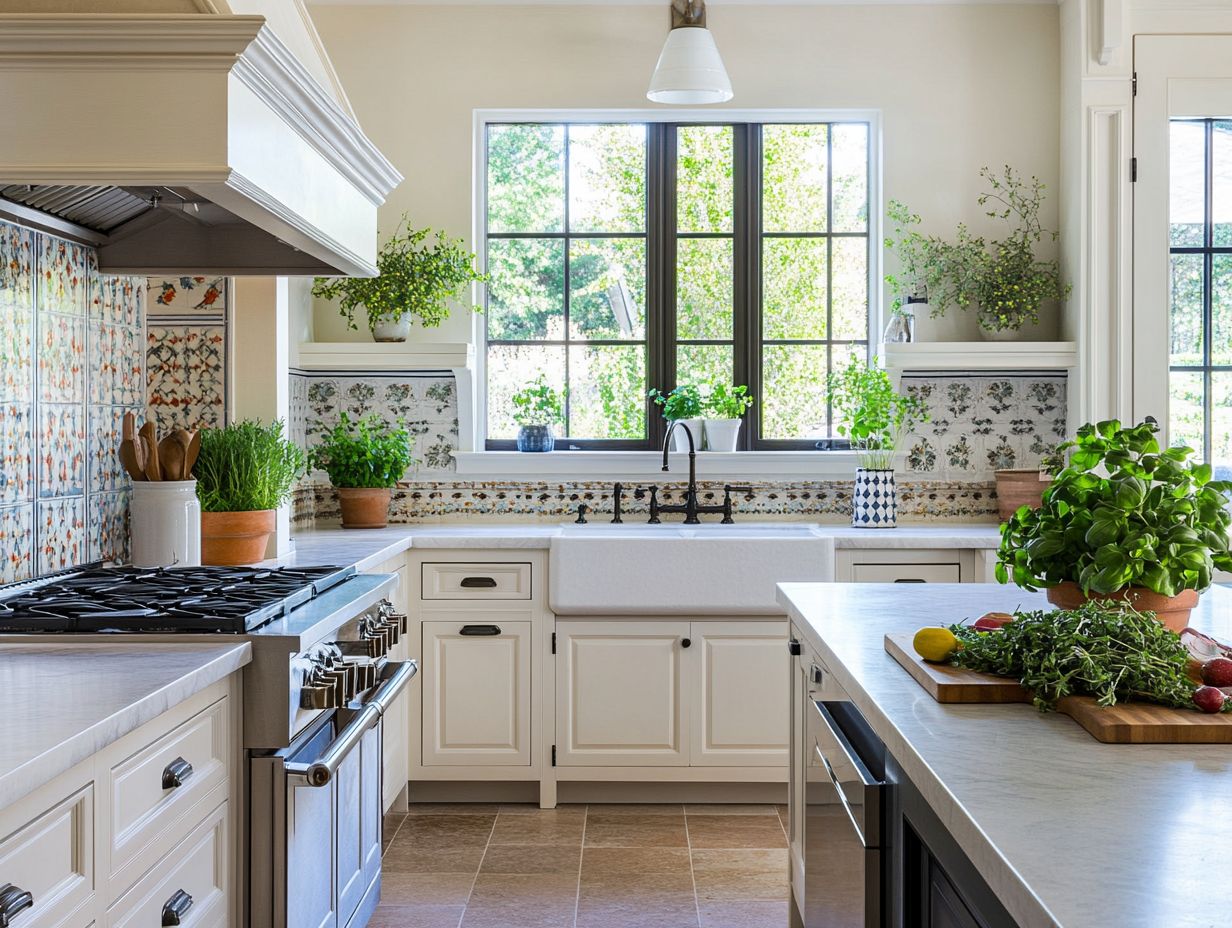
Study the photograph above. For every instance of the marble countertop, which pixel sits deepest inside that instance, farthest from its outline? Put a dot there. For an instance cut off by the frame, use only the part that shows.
(1066, 831)
(368, 548)
(65, 702)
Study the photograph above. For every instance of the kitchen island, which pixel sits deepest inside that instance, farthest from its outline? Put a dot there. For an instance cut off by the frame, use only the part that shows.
(1061, 829)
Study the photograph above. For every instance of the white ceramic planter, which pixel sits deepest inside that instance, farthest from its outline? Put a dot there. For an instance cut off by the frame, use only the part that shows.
(680, 441)
(722, 434)
(165, 524)
(399, 331)
(874, 500)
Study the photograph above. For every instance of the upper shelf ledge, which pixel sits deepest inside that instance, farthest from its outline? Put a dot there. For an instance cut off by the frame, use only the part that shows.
(978, 356)
(385, 356)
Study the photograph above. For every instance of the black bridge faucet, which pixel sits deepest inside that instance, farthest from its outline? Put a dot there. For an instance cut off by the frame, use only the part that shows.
(691, 508)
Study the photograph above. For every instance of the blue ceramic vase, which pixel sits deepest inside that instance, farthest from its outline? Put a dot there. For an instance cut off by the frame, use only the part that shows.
(536, 438)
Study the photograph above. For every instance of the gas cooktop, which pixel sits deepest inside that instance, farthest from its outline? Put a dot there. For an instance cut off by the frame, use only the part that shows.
(162, 599)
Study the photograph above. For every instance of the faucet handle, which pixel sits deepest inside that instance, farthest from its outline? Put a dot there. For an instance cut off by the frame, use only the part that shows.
(581, 514)
(653, 490)
(728, 490)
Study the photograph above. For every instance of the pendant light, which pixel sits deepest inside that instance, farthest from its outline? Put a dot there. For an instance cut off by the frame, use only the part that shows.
(689, 70)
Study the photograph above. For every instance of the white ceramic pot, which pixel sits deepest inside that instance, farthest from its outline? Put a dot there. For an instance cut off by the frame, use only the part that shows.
(389, 331)
(874, 502)
(165, 523)
(680, 441)
(722, 434)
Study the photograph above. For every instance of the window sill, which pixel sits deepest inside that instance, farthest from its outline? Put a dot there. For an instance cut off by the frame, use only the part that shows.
(647, 465)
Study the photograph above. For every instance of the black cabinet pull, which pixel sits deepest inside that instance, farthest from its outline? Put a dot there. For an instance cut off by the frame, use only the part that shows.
(13, 901)
(477, 583)
(793, 648)
(910, 580)
(685, 642)
(176, 772)
(480, 631)
(175, 908)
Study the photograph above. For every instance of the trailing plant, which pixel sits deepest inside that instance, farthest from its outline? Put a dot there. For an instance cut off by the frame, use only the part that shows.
(684, 402)
(245, 467)
(364, 453)
(1123, 512)
(414, 277)
(1003, 279)
(1113, 653)
(725, 401)
(538, 403)
(872, 414)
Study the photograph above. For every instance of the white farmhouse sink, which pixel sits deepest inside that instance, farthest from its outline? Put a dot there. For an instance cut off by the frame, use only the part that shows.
(674, 569)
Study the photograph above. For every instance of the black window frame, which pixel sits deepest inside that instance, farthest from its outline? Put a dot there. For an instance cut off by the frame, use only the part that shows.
(661, 236)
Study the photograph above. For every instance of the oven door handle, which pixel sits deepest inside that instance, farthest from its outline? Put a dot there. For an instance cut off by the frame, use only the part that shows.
(321, 771)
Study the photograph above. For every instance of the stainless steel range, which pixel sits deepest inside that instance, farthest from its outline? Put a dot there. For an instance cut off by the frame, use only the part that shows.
(315, 696)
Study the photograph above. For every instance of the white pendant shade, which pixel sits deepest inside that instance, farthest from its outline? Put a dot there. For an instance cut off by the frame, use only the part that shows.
(690, 70)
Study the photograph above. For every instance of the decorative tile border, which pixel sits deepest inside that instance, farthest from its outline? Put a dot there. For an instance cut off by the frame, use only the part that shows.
(180, 295)
(186, 375)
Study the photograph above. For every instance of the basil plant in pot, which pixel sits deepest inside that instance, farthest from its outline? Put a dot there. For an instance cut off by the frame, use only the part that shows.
(415, 279)
(1123, 520)
(725, 406)
(364, 460)
(874, 417)
(536, 408)
(684, 405)
(244, 472)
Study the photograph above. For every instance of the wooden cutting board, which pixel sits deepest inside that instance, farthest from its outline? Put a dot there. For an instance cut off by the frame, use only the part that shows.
(1126, 723)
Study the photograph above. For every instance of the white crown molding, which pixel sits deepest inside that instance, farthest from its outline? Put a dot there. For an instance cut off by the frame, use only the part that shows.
(607, 3)
(187, 41)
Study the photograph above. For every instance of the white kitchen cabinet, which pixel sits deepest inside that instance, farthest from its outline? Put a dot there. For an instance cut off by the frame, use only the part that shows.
(909, 565)
(622, 693)
(740, 715)
(476, 688)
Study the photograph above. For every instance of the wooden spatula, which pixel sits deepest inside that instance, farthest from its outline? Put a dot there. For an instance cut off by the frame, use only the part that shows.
(190, 454)
(128, 457)
(149, 438)
(171, 458)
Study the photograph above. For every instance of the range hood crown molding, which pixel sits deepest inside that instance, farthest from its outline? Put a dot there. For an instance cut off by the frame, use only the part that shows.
(273, 162)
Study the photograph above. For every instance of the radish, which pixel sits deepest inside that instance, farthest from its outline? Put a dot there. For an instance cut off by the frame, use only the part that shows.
(1217, 672)
(1209, 699)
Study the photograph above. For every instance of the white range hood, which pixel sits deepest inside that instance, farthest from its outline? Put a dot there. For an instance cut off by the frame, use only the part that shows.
(184, 144)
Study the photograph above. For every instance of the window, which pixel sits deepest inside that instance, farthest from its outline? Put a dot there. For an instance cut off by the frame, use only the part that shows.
(625, 256)
(1200, 356)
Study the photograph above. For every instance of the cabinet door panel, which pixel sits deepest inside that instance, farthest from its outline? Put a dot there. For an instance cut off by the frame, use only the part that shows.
(621, 694)
(476, 691)
(741, 716)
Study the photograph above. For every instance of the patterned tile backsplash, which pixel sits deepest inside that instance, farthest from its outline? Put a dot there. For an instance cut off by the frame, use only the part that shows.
(70, 366)
(186, 352)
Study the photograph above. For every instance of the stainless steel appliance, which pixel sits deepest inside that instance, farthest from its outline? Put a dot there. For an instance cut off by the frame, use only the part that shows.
(838, 815)
(315, 695)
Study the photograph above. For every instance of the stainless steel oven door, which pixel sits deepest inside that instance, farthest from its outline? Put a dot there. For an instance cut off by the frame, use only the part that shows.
(315, 819)
(842, 855)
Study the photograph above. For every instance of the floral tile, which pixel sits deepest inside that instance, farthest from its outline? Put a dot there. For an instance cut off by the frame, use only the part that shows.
(16, 352)
(16, 543)
(16, 266)
(61, 533)
(108, 535)
(61, 358)
(117, 300)
(62, 450)
(63, 277)
(188, 295)
(16, 452)
(105, 470)
(116, 364)
(186, 375)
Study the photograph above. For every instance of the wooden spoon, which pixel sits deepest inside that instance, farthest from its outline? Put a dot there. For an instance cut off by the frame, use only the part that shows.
(149, 438)
(171, 458)
(191, 452)
(128, 457)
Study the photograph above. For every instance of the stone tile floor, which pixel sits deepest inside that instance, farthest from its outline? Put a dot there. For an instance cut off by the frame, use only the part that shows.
(596, 866)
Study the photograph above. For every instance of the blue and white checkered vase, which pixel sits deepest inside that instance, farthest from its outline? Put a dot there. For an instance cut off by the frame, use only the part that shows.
(875, 500)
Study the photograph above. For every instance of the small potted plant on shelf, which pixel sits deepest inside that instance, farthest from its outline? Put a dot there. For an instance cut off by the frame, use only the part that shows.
(724, 406)
(683, 404)
(415, 278)
(1123, 520)
(364, 460)
(244, 472)
(536, 408)
(873, 416)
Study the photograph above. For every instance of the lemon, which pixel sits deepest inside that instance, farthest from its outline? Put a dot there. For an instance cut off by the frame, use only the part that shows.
(935, 644)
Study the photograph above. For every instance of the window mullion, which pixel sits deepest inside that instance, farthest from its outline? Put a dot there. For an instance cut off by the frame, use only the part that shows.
(748, 198)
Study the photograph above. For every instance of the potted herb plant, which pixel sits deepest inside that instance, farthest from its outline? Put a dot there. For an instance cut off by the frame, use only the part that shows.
(364, 460)
(683, 404)
(415, 278)
(724, 407)
(1123, 520)
(244, 472)
(536, 408)
(874, 417)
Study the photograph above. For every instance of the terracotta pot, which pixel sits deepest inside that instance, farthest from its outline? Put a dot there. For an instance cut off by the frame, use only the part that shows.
(1172, 611)
(1017, 488)
(229, 539)
(364, 507)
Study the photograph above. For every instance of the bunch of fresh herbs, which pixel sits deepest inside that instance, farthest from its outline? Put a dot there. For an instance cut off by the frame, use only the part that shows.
(365, 453)
(246, 467)
(538, 403)
(1111, 652)
(684, 402)
(872, 414)
(725, 401)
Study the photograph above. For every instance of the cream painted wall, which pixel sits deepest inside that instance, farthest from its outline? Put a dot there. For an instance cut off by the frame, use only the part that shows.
(959, 86)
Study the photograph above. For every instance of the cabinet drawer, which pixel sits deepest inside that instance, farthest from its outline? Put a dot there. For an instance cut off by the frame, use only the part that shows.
(52, 858)
(475, 581)
(907, 573)
(197, 867)
(145, 797)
